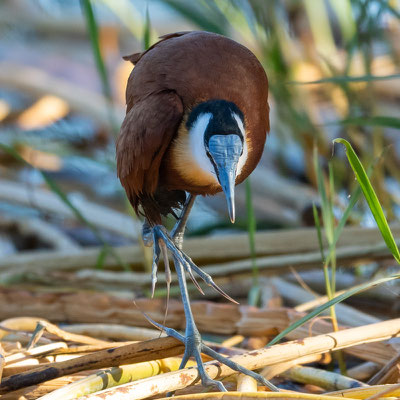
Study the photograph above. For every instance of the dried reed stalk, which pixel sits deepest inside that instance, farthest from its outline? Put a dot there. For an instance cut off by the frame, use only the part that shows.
(271, 371)
(254, 360)
(260, 322)
(30, 324)
(38, 82)
(36, 391)
(36, 351)
(246, 383)
(363, 371)
(227, 319)
(253, 396)
(346, 315)
(115, 376)
(304, 249)
(100, 216)
(324, 379)
(115, 331)
(132, 353)
(369, 392)
(390, 373)
(2, 361)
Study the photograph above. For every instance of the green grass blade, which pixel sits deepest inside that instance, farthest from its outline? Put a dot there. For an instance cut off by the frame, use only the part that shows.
(101, 257)
(94, 39)
(337, 299)
(325, 203)
(379, 120)
(147, 30)
(197, 13)
(342, 222)
(319, 231)
(371, 198)
(251, 229)
(101, 68)
(348, 79)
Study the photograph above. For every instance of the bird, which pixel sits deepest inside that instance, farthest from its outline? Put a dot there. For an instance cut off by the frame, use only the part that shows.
(197, 118)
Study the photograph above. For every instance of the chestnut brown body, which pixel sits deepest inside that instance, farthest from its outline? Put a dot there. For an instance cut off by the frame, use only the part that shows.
(172, 77)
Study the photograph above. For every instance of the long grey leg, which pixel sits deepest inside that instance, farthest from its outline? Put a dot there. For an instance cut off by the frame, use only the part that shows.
(192, 338)
(179, 229)
(193, 343)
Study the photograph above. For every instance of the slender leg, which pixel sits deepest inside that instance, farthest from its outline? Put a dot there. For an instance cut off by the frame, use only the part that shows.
(212, 353)
(193, 344)
(179, 229)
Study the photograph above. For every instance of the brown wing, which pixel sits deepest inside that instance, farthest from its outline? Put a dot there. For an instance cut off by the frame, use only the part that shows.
(146, 133)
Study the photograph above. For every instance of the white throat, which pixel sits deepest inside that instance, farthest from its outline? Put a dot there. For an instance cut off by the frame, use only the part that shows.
(198, 150)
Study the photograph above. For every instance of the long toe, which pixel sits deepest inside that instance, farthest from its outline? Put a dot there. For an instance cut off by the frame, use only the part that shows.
(208, 382)
(236, 367)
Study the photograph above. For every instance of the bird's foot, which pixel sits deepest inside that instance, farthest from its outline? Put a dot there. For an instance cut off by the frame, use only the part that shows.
(163, 241)
(194, 346)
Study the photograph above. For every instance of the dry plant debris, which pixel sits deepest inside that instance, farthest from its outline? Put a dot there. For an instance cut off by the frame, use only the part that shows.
(93, 368)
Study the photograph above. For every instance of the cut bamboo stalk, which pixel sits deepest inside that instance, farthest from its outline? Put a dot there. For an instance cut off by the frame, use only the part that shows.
(255, 360)
(324, 379)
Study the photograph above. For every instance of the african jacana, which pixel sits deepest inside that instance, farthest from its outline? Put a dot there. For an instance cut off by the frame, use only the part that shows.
(196, 122)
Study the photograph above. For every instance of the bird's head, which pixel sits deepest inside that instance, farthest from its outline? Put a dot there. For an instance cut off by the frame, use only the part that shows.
(217, 139)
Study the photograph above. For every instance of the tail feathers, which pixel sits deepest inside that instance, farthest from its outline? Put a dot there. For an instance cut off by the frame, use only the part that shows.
(162, 203)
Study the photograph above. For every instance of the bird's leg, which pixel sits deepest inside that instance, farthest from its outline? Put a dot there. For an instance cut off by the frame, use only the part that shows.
(192, 339)
(159, 247)
(194, 345)
(179, 229)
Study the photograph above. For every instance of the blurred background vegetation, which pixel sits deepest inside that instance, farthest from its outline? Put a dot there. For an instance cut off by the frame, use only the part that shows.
(333, 69)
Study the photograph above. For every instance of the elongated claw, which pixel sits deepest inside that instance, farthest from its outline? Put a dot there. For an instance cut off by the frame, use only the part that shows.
(193, 350)
(169, 331)
(236, 367)
(160, 232)
(154, 267)
(189, 265)
(192, 278)
(207, 278)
